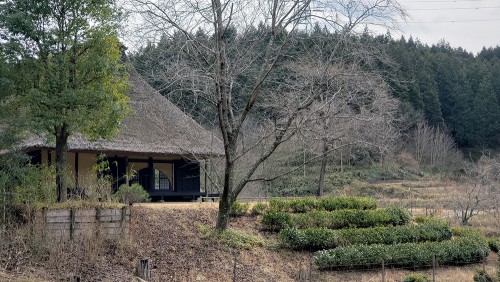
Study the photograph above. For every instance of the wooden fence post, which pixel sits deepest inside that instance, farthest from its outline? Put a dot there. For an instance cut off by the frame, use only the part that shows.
(302, 275)
(383, 271)
(234, 268)
(433, 267)
(310, 269)
(484, 263)
(142, 270)
(72, 223)
(98, 211)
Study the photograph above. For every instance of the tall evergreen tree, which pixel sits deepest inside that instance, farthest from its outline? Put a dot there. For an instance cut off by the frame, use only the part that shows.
(486, 113)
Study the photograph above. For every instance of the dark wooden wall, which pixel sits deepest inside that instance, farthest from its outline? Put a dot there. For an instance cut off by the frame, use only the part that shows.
(186, 176)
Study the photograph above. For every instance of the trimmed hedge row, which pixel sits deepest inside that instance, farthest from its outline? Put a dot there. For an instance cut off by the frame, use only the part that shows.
(318, 239)
(275, 220)
(463, 250)
(494, 244)
(324, 204)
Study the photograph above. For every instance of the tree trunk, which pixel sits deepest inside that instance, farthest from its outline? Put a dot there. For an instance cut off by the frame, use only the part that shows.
(61, 161)
(324, 160)
(226, 199)
(223, 215)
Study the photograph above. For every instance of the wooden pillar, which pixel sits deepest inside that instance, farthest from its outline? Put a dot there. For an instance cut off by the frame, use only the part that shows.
(76, 171)
(127, 172)
(151, 171)
(49, 157)
(206, 178)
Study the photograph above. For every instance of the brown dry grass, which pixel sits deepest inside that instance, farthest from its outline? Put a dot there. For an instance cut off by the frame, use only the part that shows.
(21, 277)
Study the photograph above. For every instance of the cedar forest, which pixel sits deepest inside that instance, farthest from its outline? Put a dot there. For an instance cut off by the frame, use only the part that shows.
(454, 89)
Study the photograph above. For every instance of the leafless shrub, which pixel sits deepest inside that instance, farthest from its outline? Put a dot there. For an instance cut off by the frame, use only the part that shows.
(407, 159)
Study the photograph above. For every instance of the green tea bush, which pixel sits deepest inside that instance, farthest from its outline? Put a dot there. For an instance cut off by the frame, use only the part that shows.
(309, 239)
(482, 276)
(317, 239)
(274, 220)
(338, 219)
(130, 194)
(398, 215)
(463, 250)
(238, 209)
(425, 219)
(259, 208)
(417, 277)
(467, 232)
(279, 205)
(326, 203)
(494, 244)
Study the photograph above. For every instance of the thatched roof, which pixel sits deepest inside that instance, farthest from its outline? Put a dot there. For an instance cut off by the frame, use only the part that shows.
(155, 126)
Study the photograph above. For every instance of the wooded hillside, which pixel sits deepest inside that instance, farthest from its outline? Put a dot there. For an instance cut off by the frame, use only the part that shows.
(453, 89)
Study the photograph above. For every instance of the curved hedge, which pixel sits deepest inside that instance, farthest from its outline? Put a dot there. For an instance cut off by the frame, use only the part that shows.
(318, 239)
(325, 204)
(276, 220)
(463, 250)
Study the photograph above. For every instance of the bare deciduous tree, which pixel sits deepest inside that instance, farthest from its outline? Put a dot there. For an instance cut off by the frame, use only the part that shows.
(355, 108)
(433, 146)
(478, 191)
(232, 75)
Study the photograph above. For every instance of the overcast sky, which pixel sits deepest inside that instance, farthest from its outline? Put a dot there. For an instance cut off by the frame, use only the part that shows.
(470, 24)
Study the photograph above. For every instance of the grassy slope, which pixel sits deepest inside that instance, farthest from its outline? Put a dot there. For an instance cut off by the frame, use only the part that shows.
(170, 235)
(186, 257)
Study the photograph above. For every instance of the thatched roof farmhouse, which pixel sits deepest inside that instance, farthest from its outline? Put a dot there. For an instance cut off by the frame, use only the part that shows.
(158, 143)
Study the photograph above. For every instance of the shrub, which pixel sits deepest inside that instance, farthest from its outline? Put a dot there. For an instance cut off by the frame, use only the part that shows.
(279, 204)
(482, 276)
(425, 219)
(259, 208)
(467, 232)
(33, 186)
(398, 215)
(275, 220)
(494, 244)
(317, 239)
(309, 239)
(130, 194)
(326, 203)
(238, 209)
(417, 277)
(463, 250)
(338, 219)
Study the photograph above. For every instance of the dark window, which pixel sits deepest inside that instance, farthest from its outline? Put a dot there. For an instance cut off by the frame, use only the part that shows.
(161, 181)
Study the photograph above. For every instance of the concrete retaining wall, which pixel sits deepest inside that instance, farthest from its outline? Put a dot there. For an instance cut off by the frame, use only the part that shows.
(72, 223)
